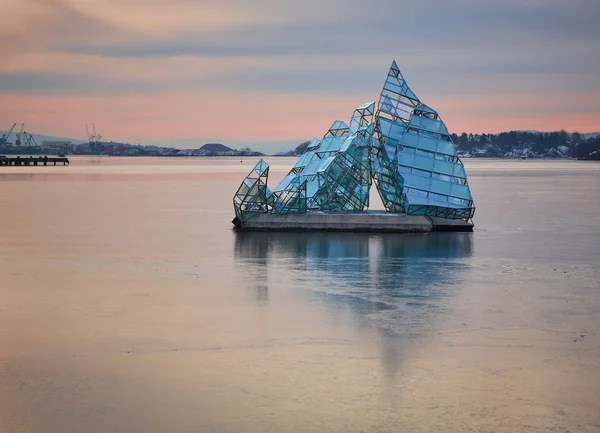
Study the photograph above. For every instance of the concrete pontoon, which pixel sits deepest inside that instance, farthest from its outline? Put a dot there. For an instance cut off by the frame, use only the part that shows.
(371, 221)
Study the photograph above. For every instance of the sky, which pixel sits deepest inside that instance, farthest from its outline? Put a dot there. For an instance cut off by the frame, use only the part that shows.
(271, 73)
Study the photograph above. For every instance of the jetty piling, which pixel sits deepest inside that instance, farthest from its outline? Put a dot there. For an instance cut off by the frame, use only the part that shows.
(17, 161)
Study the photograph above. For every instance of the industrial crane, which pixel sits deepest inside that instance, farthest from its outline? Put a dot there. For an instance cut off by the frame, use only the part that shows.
(28, 140)
(4, 138)
(93, 138)
(97, 136)
(89, 136)
(20, 135)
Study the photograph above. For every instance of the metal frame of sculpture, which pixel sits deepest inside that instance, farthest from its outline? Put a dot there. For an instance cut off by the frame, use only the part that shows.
(404, 147)
(415, 167)
(253, 195)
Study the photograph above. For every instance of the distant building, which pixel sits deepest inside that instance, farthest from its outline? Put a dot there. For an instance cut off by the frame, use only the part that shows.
(58, 146)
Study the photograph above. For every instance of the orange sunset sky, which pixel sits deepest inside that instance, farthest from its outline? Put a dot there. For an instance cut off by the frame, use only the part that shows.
(269, 73)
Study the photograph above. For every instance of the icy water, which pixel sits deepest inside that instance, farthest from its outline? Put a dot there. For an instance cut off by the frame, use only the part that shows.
(127, 304)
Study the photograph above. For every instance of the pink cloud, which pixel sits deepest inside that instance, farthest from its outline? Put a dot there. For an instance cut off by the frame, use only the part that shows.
(513, 111)
(40, 34)
(226, 115)
(245, 116)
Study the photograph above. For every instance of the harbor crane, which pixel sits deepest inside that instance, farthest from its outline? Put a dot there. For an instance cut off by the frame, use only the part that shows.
(18, 142)
(28, 140)
(90, 137)
(4, 138)
(93, 137)
(97, 136)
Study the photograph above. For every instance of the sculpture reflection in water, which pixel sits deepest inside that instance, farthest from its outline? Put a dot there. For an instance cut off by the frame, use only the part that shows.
(368, 271)
(393, 285)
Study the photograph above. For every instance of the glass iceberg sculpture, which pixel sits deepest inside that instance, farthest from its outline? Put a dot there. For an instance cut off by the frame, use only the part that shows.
(404, 148)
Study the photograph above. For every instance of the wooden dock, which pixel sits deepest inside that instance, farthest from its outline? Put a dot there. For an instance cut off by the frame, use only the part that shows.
(32, 160)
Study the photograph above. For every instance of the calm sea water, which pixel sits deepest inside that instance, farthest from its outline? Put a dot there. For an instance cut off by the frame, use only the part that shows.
(127, 304)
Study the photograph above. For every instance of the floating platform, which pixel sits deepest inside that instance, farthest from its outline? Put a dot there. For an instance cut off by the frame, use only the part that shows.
(33, 160)
(371, 221)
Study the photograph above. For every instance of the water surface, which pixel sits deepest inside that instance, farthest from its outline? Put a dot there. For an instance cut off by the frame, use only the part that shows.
(127, 304)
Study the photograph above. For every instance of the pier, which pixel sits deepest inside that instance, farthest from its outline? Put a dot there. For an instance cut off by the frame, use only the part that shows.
(31, 160)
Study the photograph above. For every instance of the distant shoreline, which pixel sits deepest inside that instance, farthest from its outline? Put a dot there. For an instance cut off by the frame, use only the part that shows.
(54, 154)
